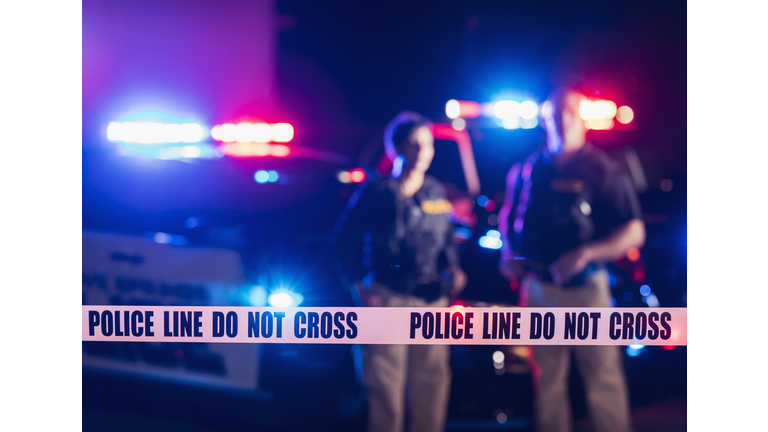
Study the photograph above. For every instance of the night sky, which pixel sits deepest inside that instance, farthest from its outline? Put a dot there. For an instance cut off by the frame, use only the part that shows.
(347, 67)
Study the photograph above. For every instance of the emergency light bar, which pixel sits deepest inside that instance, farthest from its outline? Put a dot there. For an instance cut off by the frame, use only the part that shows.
(252, 132)
(155, 133)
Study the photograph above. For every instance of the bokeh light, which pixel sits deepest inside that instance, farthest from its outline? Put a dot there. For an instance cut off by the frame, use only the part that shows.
(283, 298)
(279, 150)
(585, 109)
(228, 133)
(489, 242)
(262, 132)
(257, 296)
(633, 254)
(452, 109)
(154, 133)
(634, 350)
(282, 132)
(529, 110)
(245, 132)
(507, 110)
(624, 115)
(357, 175)
(261, 176)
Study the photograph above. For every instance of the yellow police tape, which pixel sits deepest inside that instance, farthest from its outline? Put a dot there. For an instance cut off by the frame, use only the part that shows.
(362, 325)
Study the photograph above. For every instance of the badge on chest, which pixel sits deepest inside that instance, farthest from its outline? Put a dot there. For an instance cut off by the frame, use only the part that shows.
(566, 185)
(439, 206)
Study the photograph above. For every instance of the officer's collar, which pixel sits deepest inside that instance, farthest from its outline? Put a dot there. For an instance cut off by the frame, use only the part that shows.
(546, 156)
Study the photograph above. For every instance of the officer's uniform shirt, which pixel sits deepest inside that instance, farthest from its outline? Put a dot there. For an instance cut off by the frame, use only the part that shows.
(396, 240)
(555, 211)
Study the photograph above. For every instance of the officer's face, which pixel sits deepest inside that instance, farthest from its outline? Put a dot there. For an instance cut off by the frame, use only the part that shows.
(419, 149)
(565, 127)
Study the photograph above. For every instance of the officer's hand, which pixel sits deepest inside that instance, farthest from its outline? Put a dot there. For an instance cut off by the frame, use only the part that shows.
(459, 280)
(510, 268)
(569, 265)
(367, 296)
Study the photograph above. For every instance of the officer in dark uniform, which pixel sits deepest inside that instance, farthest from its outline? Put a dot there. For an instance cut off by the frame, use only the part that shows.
(569, 209)
(390, 248)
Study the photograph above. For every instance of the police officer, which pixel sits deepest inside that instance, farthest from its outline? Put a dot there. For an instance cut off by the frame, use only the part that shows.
(568, 209)
(390, 247)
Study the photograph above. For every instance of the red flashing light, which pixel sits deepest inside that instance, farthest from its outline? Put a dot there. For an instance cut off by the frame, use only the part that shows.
(600, 124)
(251, 149)
(598, 114)
(633, 254)
(252, 132)
(279, 150)
(462, 109)
(469, 109)
(357, 175)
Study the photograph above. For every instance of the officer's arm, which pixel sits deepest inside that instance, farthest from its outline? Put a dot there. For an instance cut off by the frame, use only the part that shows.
(508, 267)
(506, 208)
(451, 251)
(617, 243)
(620, 197)
(348, 245)
(609, 248)
(619, 193)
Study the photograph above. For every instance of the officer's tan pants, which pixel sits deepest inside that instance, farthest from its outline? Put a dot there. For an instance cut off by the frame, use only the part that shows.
(600, 367)
(423, 369)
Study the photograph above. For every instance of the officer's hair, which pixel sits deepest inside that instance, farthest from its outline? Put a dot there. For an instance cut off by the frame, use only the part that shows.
(557, 94)
(399, 129)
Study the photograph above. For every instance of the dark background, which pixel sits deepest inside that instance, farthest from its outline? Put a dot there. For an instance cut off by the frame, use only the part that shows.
(341, 71)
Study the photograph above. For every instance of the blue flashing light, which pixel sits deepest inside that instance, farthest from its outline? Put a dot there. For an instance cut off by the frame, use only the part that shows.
(634, 350)
(490, 242)
(155, 133)
(645, 290)
(481, 200)
(257, 296)
(493, 234)
(651, 300)
(514, 114)
(529, 123)
(261, 176)
(165, 238)
(168, 151)
(194, 222)
(462, 233)
(183, 152)
(283, 298)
